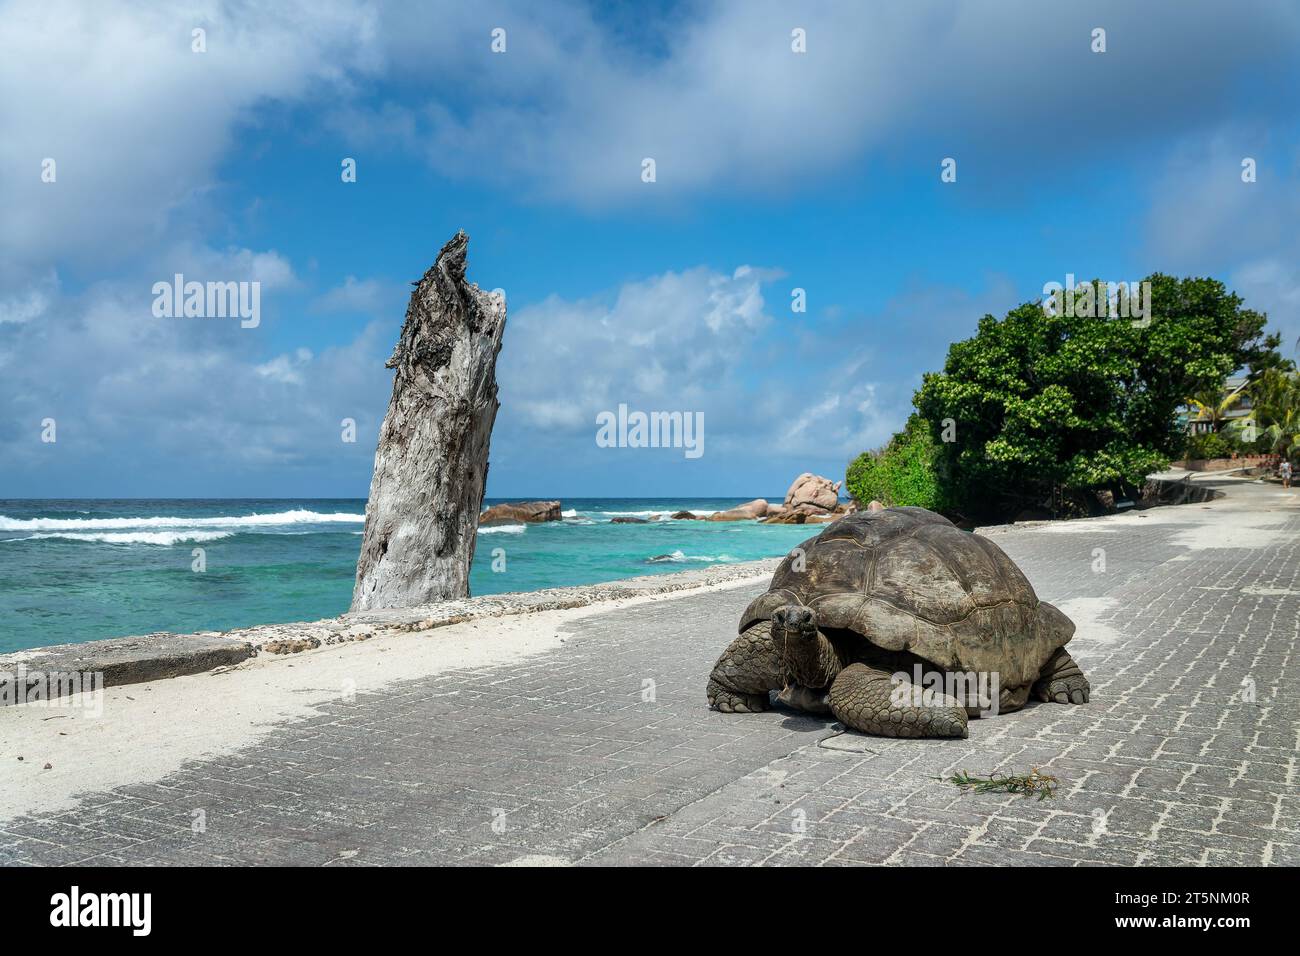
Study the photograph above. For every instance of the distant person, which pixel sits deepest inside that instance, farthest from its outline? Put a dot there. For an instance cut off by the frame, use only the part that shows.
(1285, 471)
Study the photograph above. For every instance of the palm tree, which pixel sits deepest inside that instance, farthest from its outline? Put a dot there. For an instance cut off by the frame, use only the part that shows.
(1277, 408)
(1285, 436)
(1212, 405)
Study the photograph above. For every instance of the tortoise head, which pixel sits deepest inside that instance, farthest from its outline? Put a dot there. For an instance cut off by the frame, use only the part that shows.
(794, 617)
(794, 633)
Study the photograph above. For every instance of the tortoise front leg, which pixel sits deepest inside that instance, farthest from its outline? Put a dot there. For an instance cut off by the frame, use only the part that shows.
(870, 700)
(1011, 699)
(746, 671)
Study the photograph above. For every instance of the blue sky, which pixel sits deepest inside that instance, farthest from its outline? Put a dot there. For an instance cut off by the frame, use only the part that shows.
(775, 170)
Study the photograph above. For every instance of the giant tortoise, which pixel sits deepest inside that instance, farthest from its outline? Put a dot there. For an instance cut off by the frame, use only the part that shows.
(900, 624)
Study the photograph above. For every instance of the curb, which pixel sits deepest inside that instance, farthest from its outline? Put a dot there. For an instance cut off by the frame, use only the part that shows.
(45, 673)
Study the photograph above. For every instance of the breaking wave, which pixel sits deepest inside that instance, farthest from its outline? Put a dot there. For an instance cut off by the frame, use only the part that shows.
(232, 521)
(163, 538)
(664, 514)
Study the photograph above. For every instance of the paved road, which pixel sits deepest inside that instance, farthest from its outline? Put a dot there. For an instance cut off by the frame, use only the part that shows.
(572, 756)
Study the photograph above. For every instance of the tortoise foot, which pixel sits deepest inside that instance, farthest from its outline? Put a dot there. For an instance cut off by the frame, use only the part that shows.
(1062, 681)
(733, 702)
(805, 698)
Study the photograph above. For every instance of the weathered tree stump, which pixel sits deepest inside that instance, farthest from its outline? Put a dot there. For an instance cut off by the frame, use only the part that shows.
(432, 461)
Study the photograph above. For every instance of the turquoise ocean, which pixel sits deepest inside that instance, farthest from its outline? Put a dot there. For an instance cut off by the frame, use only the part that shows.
(79, 570)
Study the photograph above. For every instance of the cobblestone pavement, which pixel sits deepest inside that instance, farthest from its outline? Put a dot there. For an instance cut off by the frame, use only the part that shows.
(1186, 754)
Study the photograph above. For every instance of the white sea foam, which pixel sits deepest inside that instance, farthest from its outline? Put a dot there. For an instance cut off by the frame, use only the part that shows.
(231, 521)
(163, 538)
(502, 529)
(663, 513)
(569, 513)
(678, 557)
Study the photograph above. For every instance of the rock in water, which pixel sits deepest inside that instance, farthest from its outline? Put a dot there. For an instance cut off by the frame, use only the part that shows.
(786, 517)
(813, 494)
(432, 460)
(746, 512)
(527, 511)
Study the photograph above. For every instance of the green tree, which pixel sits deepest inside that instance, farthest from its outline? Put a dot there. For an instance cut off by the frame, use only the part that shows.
(1043, 402)
(901, 473)
(1213, 406)
(1277, 410)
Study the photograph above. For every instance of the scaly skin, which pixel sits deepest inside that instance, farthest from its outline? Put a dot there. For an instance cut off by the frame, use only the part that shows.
(746, 671)
(862, 697)
(1011, 699)
(807, 657)
(805, 699)
(1061, 681)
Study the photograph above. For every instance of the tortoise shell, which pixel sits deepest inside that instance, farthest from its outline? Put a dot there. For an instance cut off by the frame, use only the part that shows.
(907, 579)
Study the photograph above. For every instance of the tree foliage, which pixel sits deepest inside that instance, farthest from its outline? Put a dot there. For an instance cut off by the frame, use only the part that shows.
(1043, 401)
(1277, 410)
(1213, 405)
(901, 473)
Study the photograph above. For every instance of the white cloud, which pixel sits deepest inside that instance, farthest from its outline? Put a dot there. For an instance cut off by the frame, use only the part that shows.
(190, 399)
(176, 406)
(234, 264)
(1204, 220)
(670, 342)
(30, 303)
(286, 369)
(1273, 281)
(140, 125)
(572, 108)
(1272, 285)
(704, 341)
(366, 296)
(136, 122)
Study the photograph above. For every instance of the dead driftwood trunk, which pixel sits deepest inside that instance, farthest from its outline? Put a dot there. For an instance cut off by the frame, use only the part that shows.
(432, 460)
